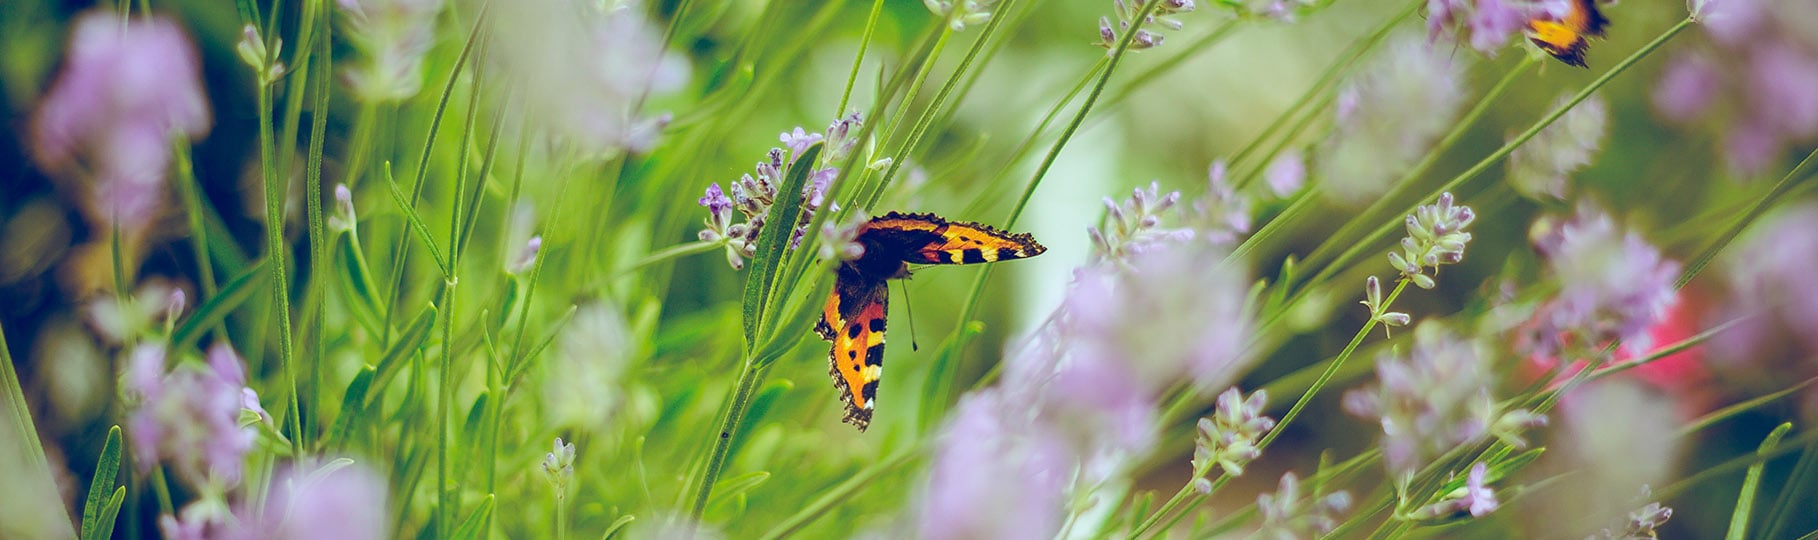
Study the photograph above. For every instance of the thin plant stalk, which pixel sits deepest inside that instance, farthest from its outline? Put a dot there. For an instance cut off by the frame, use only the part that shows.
(1367, 241)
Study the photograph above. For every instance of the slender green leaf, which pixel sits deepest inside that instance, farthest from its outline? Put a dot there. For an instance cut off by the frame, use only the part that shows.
(1745, 503)
(474, 526)
(353, 405)
(548, 339)
(356, 281)
(406, 345)
(415, 221)
(737, 486)
(616, 526)
(772, 243)
(217, 307)
(110, 514)
(101, 487)
(472, 430)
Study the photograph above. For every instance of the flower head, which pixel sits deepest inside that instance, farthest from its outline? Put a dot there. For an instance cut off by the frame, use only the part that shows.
(1436, 236)
(1433, 398)
(1127, 12)
(1387, 118)
(1286, 514)
(1286, 173)
(341, 499)
(1171, 314)
(1773, 294)
(393, 36)
(1756, 97)
(585, 71)
(584, 386)
(995, 474)
(526, 257)
(1540, 167)
(754, 193)
(1135, 226)
(558, 467)
(189, 417)
(128, 87)
(124, 320)
(1639, 524)
(1613, 285)
(1222, 215)
(1475, 498)
(1229, 437)
(344, 218)
(961, 13)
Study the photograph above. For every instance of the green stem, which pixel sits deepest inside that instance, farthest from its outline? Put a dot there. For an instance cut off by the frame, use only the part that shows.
(1367, 242)
(318, 235)
(190, 190)
(1174, 502)
(933, 111)
(1066, 135)
(843, 492)
(870, 194)
(1786, 183)
(358, 152)
(275, 249)
(1116, 55)
(394, 295)
(1324, 377)
(749, 377)
(1374, 213)
(858, 60)
(1325, 81)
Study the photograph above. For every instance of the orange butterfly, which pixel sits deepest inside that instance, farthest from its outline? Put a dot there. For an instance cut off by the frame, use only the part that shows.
(854, 317)
(1568, 37)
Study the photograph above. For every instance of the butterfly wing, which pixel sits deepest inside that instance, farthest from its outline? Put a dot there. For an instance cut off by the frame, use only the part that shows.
(854, 321)
(1569, 37)
(930, 239)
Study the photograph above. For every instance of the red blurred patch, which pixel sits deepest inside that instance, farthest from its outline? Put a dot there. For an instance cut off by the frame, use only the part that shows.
(1682, 375)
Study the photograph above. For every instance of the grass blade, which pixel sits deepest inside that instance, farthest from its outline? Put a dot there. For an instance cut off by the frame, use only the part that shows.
(101, 487)
(1745, 503)
(406, 345)
(773, 242)
(217, 307)
(474, 526)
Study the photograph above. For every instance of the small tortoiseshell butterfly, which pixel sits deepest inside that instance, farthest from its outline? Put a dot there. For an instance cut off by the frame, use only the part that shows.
(1568, 37)
(854, 317)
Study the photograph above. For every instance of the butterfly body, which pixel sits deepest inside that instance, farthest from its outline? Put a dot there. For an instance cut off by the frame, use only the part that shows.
(1568, 37)
(854, 316)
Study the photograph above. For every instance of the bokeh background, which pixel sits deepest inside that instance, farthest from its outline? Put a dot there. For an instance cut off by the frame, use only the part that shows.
(643, 351)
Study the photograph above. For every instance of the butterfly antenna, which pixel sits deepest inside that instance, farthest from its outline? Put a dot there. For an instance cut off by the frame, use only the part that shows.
(909, 309)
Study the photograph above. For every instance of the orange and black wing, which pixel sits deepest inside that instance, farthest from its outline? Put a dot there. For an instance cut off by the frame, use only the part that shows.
(927, 238)
(1568, 37)
(854, 321)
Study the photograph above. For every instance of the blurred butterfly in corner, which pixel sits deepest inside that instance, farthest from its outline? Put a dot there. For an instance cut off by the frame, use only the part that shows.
(1567, 37)
(853, 319)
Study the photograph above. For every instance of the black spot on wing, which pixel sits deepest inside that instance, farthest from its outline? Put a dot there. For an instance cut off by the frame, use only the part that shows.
(874, 356)
(972, 256)
(877, 325)
(852, 332)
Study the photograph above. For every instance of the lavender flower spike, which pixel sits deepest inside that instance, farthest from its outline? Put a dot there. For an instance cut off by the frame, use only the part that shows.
(1435, 237)
(189, 417)
(1475, 498)
(1229, 438)
(127, 88)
